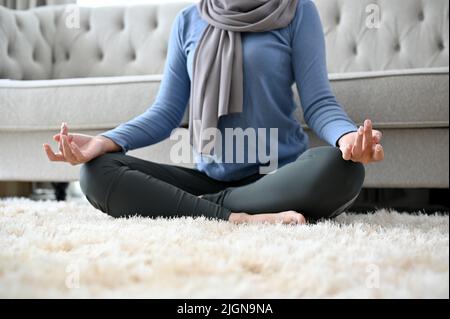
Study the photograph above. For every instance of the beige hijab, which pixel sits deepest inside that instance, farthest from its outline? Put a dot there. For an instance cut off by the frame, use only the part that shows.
(217, 81)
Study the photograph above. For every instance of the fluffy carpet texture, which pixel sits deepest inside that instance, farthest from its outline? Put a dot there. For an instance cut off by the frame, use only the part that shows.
(70, 250)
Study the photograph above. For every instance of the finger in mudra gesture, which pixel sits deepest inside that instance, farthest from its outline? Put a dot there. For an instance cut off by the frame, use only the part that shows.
(74, 148)
(363, 146)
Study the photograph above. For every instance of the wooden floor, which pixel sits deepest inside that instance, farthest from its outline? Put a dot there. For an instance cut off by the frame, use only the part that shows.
(20, 189)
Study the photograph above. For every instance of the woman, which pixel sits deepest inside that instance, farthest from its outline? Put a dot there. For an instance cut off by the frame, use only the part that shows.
(234, 61)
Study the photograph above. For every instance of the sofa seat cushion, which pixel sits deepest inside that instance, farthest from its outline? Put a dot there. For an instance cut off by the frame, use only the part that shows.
(85, 103)
(392, 99)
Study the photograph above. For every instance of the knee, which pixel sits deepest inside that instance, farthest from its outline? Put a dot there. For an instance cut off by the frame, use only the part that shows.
(340, 181)
(95, 176)
(347, 177)
(90, 173)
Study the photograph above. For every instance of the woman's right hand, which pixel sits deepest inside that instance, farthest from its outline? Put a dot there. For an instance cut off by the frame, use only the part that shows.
(76, 148)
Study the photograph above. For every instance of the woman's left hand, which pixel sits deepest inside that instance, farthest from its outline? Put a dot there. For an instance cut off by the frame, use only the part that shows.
(362, 146)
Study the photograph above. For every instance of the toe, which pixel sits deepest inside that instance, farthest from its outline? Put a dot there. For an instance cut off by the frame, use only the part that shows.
(302, 219)
(294, 218)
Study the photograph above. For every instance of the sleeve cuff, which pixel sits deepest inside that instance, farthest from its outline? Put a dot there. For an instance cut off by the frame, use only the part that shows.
(334, 134)
(337, 140)
(113, 137)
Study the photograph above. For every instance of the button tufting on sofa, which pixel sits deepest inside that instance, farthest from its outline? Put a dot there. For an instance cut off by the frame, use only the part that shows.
(421, 16)
(18, 24)
(9, 49)
(121, 24)
(138, 27)
(337, 19)
(100, 55)
(133, 55)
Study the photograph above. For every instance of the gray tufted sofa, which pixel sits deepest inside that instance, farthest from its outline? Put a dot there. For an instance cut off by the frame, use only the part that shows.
(108, 70)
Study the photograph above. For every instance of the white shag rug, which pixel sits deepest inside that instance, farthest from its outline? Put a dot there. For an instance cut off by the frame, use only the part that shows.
(70, 250)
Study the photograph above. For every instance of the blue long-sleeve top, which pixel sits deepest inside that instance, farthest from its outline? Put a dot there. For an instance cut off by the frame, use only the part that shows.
(272, 62)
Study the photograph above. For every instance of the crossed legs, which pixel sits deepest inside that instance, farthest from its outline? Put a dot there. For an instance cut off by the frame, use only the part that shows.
(319, 184)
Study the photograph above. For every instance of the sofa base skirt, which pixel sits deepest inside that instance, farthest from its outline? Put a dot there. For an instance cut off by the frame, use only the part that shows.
(415, 158)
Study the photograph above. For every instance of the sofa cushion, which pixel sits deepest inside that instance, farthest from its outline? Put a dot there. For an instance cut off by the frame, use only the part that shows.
(394, 99)
(99, 103)
(132, 40)
(49, 43)
(368, 35)
(26, 43)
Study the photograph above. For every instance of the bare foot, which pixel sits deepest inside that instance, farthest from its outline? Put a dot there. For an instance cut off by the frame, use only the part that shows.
(289, 217)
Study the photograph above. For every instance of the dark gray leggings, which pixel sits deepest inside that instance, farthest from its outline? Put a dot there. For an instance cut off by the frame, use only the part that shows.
(319, 184)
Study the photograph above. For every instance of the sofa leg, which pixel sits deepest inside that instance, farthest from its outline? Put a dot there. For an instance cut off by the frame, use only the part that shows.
(60, 190)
